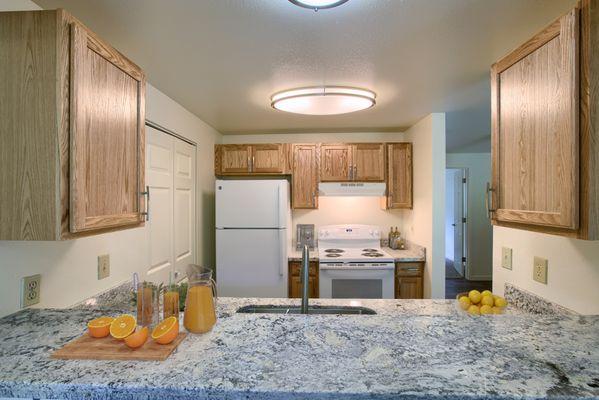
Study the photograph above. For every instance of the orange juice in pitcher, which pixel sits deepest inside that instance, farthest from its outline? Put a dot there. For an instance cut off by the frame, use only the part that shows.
(200, 312)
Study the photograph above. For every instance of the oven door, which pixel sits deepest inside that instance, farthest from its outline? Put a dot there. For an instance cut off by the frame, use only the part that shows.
(356, 281)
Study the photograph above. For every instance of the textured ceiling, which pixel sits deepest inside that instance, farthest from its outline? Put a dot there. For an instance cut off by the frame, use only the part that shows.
(222, 59)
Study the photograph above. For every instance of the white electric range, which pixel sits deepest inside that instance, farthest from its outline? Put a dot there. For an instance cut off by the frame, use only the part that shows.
(352, 264)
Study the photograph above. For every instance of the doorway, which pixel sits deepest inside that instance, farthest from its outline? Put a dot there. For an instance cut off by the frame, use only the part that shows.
(456, 220)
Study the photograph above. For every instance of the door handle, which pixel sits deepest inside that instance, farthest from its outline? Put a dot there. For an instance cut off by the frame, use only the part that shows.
(489, 200)
(146, 194)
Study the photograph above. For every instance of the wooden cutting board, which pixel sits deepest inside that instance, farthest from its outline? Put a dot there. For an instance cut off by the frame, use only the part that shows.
(88, 348)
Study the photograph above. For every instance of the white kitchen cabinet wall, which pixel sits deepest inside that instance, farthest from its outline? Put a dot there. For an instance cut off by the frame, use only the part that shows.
(171, 228)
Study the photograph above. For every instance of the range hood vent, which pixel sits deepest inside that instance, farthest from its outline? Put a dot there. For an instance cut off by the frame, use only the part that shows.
(372, 189)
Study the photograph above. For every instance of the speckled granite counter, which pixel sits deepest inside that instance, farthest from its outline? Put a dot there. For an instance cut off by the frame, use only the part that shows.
(415, 349)
(414, 254)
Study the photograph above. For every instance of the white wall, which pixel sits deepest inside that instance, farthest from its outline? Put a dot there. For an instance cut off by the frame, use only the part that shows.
(449, 214)
(425, 224)
(69, 268)
(480, 233)
(573, 272)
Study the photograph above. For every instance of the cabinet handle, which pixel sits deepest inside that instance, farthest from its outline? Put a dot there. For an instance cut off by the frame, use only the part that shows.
(355, 172)
(349, 173)
(313, 198)
(249, 164)
(253, 161)
(146, 194)
(489, 200)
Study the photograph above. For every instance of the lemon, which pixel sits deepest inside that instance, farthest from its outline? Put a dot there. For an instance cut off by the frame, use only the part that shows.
(487, 301)
(500, 302)
(474, 296)
(497, 310)
(465, 302)
(486, 309)
(486, 293)
(474, 310)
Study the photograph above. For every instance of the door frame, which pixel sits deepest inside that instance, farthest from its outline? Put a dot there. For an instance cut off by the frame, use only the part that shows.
(465, 182)
(174, 134)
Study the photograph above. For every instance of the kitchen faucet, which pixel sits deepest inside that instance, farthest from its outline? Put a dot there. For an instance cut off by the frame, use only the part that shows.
(304, 277)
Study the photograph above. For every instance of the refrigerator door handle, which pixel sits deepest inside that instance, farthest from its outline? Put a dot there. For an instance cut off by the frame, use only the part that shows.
(282, 252)
(280, 216)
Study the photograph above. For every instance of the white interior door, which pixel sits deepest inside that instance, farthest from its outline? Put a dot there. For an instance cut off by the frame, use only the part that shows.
(184, 201)
(171, 229)
(159, 179)
(458, 203)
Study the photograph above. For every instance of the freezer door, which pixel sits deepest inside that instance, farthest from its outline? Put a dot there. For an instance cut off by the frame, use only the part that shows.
(252, 203)
(251, 262)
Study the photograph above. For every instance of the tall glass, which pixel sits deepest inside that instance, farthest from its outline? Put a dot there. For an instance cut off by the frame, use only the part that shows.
(200, 311)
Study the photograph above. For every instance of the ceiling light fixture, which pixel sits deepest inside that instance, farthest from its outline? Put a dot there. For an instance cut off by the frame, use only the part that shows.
(318, 4)
(324, 100)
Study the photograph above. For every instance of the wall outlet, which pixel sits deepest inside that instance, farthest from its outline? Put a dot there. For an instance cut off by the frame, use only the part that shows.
(539, 272)
(506, 257)
(30, 291)
(103, 266)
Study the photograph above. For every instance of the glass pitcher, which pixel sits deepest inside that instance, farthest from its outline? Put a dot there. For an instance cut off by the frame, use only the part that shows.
(200, 312)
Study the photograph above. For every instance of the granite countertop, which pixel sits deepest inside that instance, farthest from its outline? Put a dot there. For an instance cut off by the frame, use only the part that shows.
(413, 254)
(416, 349)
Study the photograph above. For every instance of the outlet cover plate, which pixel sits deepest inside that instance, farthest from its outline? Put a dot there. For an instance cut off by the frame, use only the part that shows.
(30, 292)
(539, 272)
(103, 266)
(506, 257)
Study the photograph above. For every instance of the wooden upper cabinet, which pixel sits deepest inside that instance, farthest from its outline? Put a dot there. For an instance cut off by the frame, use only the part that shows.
(368, 162)
(247, 159)
(107, 135)
(305, 176)
(335, 162)
(535, 129)
(267, 158)
(72, 130)
(399, 175)
(234, 158)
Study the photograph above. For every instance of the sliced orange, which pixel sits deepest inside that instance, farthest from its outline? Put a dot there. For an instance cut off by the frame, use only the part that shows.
(99, 327)
(166, 331)
(138, 338)
(123, 326)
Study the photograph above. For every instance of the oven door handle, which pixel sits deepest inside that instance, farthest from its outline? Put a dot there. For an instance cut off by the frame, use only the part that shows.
(322, 266)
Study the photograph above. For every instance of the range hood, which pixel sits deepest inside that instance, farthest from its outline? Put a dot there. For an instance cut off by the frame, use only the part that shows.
(372, 189)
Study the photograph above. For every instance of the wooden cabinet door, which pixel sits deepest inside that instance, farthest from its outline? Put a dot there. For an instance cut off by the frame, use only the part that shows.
(368, 162)
(534, 102)
(305, 176)
(408, 287)
(335, 163)
(267, 158)
(399, 175)
(107, 119)
(234, 158)
(295, 285)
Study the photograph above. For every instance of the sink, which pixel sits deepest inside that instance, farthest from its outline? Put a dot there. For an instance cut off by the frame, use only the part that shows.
(329, 310)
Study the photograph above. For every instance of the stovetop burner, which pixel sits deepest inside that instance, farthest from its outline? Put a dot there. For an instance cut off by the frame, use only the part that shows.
(333, 255)
(372, 254)
(370, 250)
(334, 251)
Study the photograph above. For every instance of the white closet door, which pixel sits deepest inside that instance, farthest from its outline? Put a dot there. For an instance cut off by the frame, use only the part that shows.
(159, 178)
(184, 200)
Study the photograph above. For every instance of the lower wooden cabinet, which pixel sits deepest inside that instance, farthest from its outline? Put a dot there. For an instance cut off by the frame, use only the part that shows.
(409, 280)
(295, 285)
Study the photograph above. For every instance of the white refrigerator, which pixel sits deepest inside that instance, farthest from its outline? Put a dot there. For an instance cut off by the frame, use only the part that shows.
(253, 221)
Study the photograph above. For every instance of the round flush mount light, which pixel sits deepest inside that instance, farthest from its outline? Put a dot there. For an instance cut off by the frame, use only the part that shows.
(318, 4)
(323, 100)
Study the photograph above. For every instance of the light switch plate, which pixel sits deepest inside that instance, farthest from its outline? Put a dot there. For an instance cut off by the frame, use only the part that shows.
(103, 266)
(30, 291)
(506, 257)
(539, 272)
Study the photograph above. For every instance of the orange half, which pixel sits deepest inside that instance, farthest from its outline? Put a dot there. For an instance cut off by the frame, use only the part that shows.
(99, 327)
(166, 331)
(123, 326)
(138, 338)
